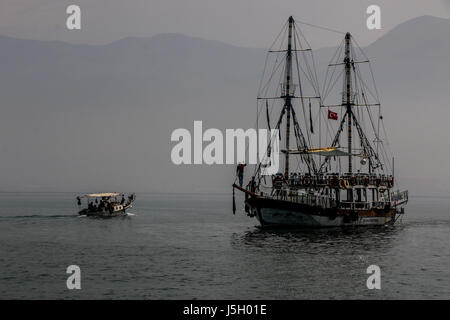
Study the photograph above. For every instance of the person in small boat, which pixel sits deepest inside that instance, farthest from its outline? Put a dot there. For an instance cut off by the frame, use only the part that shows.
(122, 201)
(240, 173)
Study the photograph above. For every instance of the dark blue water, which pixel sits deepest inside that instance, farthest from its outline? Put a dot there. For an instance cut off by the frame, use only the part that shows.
(192, 247)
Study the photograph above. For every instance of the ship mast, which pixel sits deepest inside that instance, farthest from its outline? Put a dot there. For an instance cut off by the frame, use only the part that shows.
(348, 104)
(287, 95)
(347, 100)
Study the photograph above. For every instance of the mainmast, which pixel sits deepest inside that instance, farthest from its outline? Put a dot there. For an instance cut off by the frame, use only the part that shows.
(348, 102)
(287, 95)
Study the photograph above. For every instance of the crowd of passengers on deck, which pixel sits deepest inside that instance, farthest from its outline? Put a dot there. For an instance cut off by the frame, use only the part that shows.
(335, 181)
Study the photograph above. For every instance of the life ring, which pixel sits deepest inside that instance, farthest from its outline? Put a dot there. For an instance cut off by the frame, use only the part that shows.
(333, 182)
(346, 184)
(306, 181)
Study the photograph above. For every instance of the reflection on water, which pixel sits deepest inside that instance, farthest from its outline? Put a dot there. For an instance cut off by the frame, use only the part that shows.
(323, 239)
(38, 216)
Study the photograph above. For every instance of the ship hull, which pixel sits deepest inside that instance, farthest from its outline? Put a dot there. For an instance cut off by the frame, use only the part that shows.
(106, 213)
(280, 213)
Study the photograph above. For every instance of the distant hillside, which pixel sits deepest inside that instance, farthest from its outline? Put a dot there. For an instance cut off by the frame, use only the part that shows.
(78, 117)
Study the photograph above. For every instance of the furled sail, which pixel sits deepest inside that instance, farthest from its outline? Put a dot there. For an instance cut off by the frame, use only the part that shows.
(327, 152)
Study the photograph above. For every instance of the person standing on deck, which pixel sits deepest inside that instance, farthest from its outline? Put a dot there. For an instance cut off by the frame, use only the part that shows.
(240, 173)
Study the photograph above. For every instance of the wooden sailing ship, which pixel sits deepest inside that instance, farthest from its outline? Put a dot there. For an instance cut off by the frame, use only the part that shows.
(344, 175)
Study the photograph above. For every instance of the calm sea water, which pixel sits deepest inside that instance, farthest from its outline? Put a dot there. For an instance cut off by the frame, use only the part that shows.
(192, 247)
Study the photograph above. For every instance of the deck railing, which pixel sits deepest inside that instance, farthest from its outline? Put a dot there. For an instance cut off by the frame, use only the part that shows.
(323, 201)
(309, 199)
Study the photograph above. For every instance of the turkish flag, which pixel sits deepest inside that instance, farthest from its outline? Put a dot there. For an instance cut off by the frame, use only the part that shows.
(332, 115)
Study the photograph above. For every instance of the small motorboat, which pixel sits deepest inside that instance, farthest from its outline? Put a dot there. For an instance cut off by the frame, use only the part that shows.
(105, 205)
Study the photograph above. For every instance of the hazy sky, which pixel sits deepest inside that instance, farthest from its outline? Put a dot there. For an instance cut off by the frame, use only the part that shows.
(241, 22)
(52, 112)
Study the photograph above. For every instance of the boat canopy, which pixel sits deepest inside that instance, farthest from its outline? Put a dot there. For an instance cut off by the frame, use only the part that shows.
(329, 152)
(102, 195)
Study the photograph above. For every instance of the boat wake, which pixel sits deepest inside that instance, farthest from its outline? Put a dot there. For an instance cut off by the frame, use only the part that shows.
(38, 216)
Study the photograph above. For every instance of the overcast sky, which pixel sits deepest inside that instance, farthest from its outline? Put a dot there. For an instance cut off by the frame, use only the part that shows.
(44, 105)
(250, 23)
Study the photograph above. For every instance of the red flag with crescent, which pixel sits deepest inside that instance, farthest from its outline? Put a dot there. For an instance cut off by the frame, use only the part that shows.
(332, 115)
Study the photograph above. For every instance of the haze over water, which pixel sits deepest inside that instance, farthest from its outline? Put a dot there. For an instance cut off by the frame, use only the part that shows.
(190, 246)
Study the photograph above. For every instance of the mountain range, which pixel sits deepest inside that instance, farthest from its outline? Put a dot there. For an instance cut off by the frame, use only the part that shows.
(87, 118)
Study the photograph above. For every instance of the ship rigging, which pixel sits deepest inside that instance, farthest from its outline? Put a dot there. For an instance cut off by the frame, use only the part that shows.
(344, 175)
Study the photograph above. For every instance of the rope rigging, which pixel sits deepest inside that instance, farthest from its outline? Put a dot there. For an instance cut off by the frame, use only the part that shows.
(308, 133)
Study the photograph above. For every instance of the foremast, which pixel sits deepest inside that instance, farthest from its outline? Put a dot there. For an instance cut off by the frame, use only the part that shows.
(287, 95)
